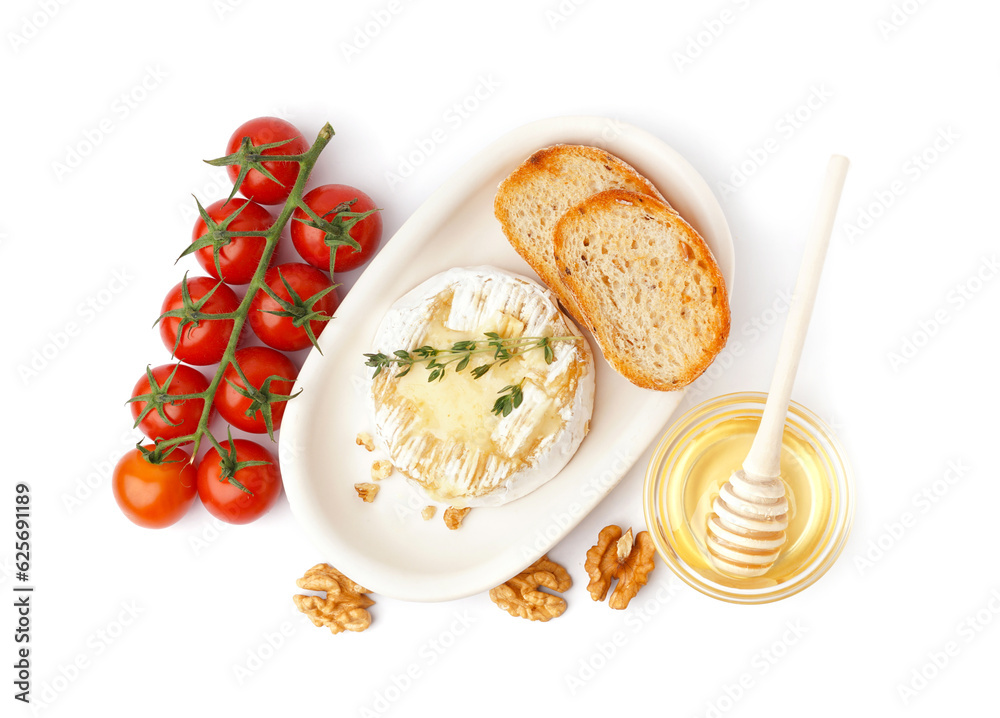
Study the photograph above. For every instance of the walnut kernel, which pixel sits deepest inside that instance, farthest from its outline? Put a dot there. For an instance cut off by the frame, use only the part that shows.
(615, 556)
(366, 491)
(381, 469)
(453, 517)
(365, 439)
(428, 512)
(521, 597)
(344, 608)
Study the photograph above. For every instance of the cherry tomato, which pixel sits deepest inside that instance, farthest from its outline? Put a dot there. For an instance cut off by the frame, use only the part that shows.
(154, 495)
(241, 255)
(257, 363)
(183, 415)
(224, 500)
(203, 342)
(264, 131)
(288, 333)
(310, 242)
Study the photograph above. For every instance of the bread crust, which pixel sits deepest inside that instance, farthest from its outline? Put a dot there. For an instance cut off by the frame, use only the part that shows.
(576, 277)
(551, 167)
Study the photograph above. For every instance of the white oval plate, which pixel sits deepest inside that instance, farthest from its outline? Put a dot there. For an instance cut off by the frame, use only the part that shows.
(386, 545)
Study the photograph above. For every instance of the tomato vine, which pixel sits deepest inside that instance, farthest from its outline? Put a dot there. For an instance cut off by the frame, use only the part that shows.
(247, 157)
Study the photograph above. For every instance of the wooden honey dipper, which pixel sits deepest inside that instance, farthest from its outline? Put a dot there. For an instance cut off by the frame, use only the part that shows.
(746, 529)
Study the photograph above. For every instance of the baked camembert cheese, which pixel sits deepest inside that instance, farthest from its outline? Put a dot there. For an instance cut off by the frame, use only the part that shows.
(443, 434)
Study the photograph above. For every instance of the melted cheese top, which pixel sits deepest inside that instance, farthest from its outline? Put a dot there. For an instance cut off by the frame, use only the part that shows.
(443, 434)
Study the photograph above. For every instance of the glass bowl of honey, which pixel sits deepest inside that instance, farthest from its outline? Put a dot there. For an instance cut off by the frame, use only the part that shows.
(696, 457)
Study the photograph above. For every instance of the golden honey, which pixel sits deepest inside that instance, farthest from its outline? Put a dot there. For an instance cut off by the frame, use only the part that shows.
(697, 457)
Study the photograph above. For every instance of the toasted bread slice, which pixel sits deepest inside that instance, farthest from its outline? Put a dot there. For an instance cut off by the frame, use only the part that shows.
(649, 285)
(533, 198)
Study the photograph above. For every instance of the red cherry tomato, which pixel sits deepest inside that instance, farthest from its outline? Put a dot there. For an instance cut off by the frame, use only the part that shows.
(204, 342)
(310, 242)
(182, 415)
(154, 495)
(257, 363)
(264, 131)
(228, 502)
(240, 256)
(288, 333)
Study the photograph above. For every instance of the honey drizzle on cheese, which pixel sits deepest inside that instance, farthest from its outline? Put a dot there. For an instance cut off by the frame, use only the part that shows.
(443, 434)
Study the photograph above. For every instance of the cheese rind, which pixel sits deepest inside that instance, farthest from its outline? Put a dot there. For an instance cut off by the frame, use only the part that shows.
(443, 435)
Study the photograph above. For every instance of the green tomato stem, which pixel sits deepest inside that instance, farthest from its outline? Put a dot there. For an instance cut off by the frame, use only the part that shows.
(278, 158)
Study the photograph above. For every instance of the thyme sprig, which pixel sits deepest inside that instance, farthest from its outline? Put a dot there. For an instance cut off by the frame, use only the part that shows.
(459, 355)
(510, 398)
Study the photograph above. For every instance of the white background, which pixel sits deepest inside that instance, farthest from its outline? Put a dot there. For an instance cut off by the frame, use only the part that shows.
(898, 360)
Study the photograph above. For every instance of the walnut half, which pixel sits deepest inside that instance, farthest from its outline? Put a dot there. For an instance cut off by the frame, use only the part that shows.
(345, 606)
(619, 557)
(521, 596)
